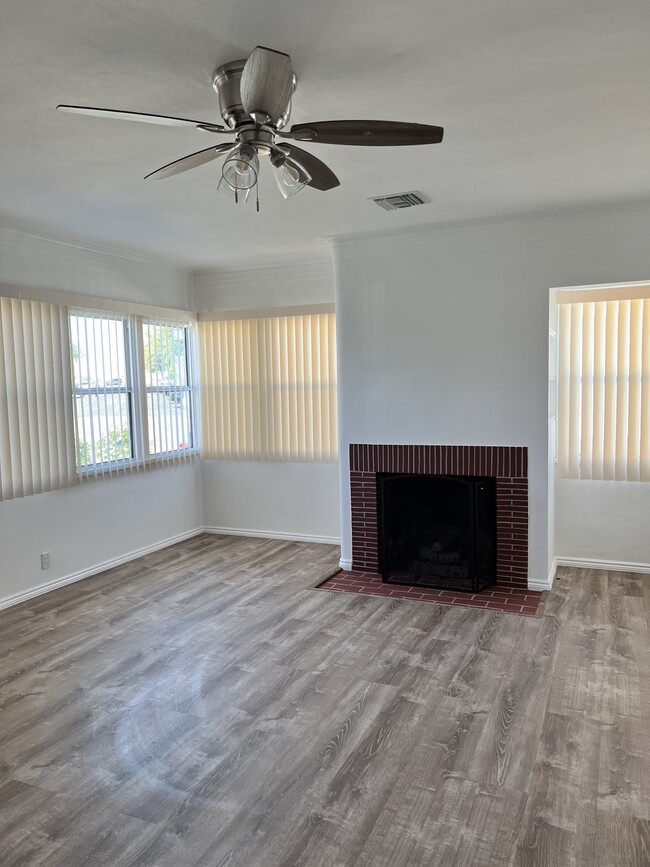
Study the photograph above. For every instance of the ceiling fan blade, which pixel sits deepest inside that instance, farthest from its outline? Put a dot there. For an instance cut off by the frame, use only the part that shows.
(322, 177)
(190, 162)
(142, 117)
(377, 133)
(267, 83)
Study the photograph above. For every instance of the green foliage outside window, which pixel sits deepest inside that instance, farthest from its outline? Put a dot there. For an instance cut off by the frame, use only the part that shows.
(115, 446)
(162, 351)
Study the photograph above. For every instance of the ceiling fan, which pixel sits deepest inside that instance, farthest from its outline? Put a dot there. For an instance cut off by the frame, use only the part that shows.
(255, 103)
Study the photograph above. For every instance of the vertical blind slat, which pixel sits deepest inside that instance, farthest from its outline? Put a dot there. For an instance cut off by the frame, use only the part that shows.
(563, 389)
(622, 390)
(587, 397)
(600, 364)
(634, 409)
(644, 436)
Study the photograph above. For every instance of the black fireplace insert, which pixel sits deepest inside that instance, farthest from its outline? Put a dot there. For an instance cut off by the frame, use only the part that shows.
(437, 531)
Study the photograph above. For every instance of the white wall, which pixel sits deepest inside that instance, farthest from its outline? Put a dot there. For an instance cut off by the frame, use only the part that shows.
(89, 526)
(443, 337)
(603, 522)
(274, 498)
(84, 527)
(269, 498)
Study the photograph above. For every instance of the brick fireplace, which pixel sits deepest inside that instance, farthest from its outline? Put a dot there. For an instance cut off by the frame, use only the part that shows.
(507, 464)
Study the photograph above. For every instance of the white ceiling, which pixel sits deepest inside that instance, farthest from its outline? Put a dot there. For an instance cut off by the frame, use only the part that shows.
(545, 103)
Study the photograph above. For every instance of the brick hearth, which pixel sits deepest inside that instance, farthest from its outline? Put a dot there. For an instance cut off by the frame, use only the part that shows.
(507, 464)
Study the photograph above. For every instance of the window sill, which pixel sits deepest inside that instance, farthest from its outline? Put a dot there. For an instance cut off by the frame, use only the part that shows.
(115, 467)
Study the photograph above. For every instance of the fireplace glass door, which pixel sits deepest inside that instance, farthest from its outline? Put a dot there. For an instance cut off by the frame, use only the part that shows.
(437, 531)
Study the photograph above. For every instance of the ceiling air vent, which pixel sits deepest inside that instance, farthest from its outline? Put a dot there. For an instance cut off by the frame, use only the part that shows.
(399, 200)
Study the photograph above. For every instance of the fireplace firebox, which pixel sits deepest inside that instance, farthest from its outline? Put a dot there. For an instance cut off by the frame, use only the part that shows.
(437, 530)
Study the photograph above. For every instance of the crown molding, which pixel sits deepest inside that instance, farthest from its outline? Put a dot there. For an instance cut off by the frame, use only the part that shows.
(294, 281)
(288, 272)
(264, 312)
(16, 235)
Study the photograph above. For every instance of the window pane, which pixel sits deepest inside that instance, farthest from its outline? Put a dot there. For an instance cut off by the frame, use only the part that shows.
(102, 428)
(98, 357)
(164, 354)
(169, 396)
(101, 389)
(169, 416)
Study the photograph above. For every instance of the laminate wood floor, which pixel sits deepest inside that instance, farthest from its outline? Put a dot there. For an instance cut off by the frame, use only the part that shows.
(204, 706)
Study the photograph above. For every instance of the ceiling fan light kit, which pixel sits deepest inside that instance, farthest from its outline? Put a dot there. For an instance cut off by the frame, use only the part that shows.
(255, 103)
(290, 175)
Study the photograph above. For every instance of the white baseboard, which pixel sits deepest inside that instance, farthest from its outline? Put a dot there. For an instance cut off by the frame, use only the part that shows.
(538, 586)
(608, 565)
(17, 598)
(541, 586)
(33, 592)
(266, 534)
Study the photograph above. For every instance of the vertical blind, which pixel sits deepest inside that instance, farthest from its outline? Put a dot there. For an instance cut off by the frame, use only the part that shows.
(604, 390)
(36, 438)
(268, 388)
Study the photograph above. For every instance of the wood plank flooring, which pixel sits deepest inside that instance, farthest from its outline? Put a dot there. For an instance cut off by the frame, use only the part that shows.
(204, 707)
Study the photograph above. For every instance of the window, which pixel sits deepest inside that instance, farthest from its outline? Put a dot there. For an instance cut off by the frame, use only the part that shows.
(604, 384)
(133, 391)
(86, 392)
(268, 388)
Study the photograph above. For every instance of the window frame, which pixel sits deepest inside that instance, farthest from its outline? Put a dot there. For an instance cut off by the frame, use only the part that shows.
(190, 388)
(128, 389)
(136, 389)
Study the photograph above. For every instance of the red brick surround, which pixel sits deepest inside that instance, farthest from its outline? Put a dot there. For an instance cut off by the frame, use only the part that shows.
(508, 464)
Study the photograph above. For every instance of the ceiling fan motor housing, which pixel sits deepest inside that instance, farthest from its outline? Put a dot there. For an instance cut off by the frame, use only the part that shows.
(226, 82)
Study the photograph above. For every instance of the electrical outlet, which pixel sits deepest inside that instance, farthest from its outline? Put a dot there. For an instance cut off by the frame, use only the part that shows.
(45, 560)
